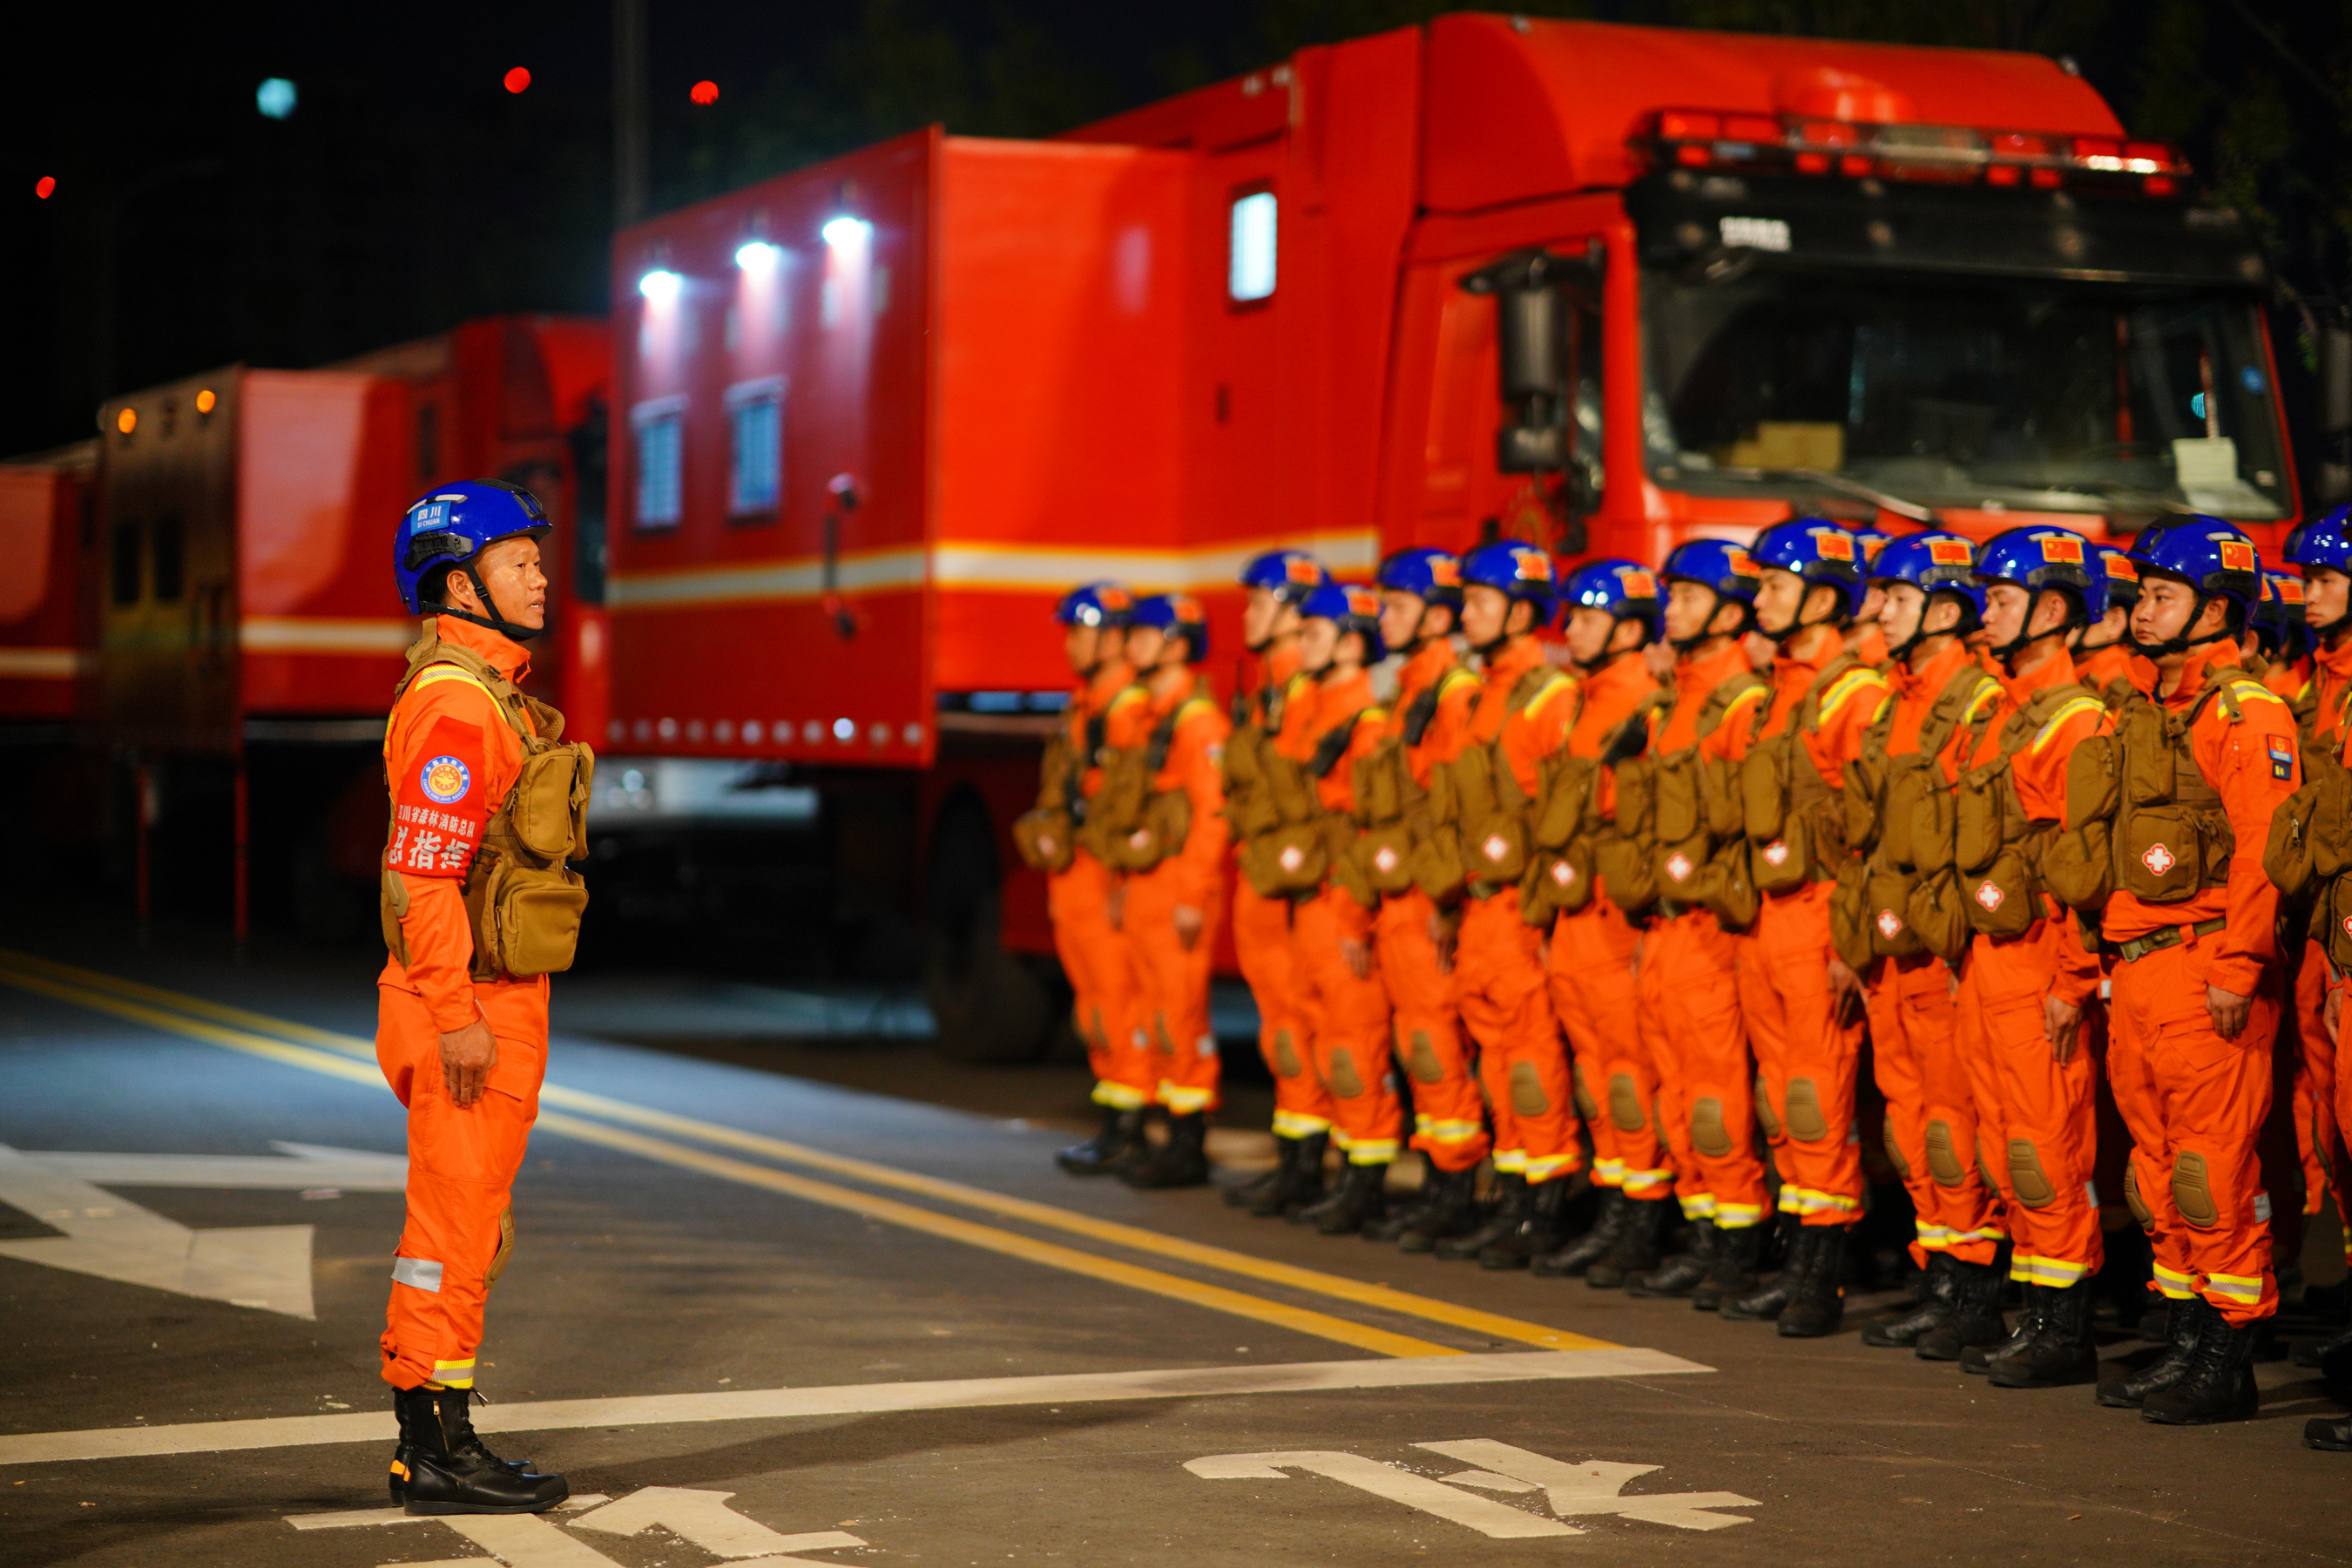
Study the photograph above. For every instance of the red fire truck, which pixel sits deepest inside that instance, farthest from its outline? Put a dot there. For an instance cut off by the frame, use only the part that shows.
(1597, 286)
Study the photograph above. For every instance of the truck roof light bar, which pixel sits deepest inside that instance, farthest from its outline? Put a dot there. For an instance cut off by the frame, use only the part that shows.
(1937, 154)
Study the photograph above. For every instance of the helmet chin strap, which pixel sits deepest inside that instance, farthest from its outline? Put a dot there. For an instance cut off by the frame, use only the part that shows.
(1706, 632)
(493, 621)
(2181, 642)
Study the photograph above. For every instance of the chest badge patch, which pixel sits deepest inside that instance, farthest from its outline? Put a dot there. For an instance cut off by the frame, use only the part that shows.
(2281, 759)
(1890, 925)
(1678, 867)
(1495, 847)
(2158, 859)
(1562, 872)
(1384, 859)
(1292, 857)
(1989, 895)
(1777, 852)
(445, 781)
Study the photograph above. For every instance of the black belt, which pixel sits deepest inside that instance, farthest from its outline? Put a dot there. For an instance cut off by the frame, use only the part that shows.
(2139, 947)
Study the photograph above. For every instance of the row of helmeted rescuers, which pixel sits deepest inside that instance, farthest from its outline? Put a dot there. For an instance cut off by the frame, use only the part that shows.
(1612, 915)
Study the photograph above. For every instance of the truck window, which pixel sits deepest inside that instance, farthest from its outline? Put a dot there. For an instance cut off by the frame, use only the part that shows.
(1250, 248)
(123, 576)
(659, 429)
(755, 438)
(588, 441)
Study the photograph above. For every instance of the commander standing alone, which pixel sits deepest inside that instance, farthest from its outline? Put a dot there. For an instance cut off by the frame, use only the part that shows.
(479, 908)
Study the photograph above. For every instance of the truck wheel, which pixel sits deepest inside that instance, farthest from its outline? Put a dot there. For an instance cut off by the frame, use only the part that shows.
(991, 1007)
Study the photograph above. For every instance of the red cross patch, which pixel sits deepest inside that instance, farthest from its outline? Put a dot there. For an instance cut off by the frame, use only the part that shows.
(2158, 859)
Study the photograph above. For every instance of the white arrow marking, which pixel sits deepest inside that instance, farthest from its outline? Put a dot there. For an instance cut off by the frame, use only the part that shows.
(1387, 1481)
(264, 1267)
(311, 1165)
(1587, 1488)
(704, 1519)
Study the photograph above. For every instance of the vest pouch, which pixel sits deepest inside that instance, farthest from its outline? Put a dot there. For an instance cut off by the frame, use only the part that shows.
(1764, 791)
(2159, 853)
(1721, 797)
(2147, 776)
(1627, 872)
(1377, 782)
(1725, 889)
(1436, 861)
(1300, 856)
(1907, 791)
(1117, 808)
(2331, 816)
(1565, 803)
(1886, 901)
(2078, 865)
(1938, 917)
(1054, 772)
(1932, 819)
(543, 809)
(2336, 908)
(2288, 853)
(1495, 851)
(1850, 915)
(1677, 811)
(1556, 884)
(1164, 824)
(1976, 817)
(1635, 783)
(1680, 868)
(1384, 854)
(1347, 872)
(1999, 899)
(2094, 783)
(1292, 790)
(1045, 839)
(534, 916)
(1865, 789)
(1784, 863)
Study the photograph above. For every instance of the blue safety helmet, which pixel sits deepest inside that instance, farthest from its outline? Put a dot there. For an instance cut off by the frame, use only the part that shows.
(2213, 557)
(1725, 568)
(2123, 576)
(1933, 562)
(1626, 589)
(2278, 623)
(1094, 605)
(1175, 616)
(1354, 608)
(1821, 552)
(1288, 575)
(451, 527)
(2321, 541)
(2039, 558)
(1433, 576)
(1517, 570)
(1874, 540)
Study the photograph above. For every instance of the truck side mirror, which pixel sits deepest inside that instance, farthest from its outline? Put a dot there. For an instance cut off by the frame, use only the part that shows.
(1532, 338)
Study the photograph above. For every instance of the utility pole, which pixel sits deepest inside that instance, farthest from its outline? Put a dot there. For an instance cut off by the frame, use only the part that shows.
(630, 156)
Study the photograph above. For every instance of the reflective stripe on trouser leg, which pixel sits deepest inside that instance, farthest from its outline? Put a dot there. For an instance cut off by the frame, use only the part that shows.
(1690, 976)
(2048, 1110)
(1426, 1037)
(1351, 1045)
(1262, 939)
(1499, 987)
(1589, 974)
(1813, 1058)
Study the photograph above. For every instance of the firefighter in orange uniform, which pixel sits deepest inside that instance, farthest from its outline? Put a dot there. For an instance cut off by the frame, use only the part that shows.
(1803, 1002)
(2028, 978)
(1079, 898)
(2104, 654)
(1688, 980)
(1613, 620)
(1523, 713)
(461, 1030)
(1345, 1007)
(1275, 583)
(1170, 912)
(1940, 689)
(2281, 642)
(1864, 633)
(2189, 931)
(1420, 604)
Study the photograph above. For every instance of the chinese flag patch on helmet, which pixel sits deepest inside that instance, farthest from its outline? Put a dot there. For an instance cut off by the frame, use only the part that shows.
(1638, 584)
(1532, 565)
(1834, 543)
(1743, 564)
(1363, 602)
(1948, 552)
(1445, 572)
(2123, 567)
(1299, 569)
(2290, 590)
(2058, 547)
(2237, 555)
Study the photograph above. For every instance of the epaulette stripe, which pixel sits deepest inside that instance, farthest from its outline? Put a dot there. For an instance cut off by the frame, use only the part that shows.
(1989, 691)
(1549, 689)
(1847, 685)
(2074, 706)
(2255, 688)
(1753, 694)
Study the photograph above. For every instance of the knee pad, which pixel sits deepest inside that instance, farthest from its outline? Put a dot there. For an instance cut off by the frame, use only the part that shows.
(1625, 1103)
(1765, 1115)
(1421, 1060)
(1341, 1078)
(2026, 1178)
(2133, 1202)
(1943, 1160)
(2192, 1192)
(505, 1247)
(1527, 1096)
(1708, 1134)
(1893, 1149)
(1584, 1105)
(1803, 1112)
(1286, 1055)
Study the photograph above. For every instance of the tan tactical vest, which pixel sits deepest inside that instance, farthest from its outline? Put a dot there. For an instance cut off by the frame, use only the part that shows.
(1795, 822)
(1391, 807)
(2139, 807)
(1480, 810)
(1999, 854)
(1131, 824)
(1697, 822)
(522, 902)
(1578, 844)
(1308, 843)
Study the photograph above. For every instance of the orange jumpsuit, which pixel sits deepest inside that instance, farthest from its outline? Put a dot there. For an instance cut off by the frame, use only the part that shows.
(1173, 978)
(1801, 1045)
(2044, 1140)
(1593, 988)
(451, 761)
(2104, 665)
(1346, 1013)
(1915, 1048)
(1689, 993)
(1302, 1108)
(1498, 964)
(1103, 982)
(1449, 1120)
(2321, 1102)
(2194, 1101)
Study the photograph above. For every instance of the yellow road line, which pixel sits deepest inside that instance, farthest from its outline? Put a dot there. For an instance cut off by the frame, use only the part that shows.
(1216, 1297)
(1492, 1325)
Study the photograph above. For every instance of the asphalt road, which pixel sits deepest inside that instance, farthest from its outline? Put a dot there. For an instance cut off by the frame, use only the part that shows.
(767, 1319)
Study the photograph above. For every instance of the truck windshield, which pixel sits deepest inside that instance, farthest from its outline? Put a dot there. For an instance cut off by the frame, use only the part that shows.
(2023, 395)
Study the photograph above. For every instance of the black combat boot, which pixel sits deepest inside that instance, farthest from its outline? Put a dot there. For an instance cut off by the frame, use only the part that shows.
(1635, 1249)
(1182, 1162)
(1817, 1309)
(1120, 1140)
(441, 1466)
(1574, 1257)
(1978, 1360)
(1934, 1308)
(2185, 1322)
(2336, 1360)
(1450, 1207)
(1768, 1300)
(1974, 1322)
(2061, 1352)
(1242, 1195)
(1362, 1195)
(1302, 1180)
(1544, 1228)
(1684, 1271)
(2219, 1384)
(1512, 1200)
(2316, 1353)
(1732, 1271)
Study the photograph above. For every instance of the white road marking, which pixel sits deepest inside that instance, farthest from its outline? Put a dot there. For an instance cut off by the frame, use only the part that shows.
(525, 1541)
(1587, 1488)
(704, 1519)
(266, 1267)
(347, 1519)
(311, 1165)
(859, 1399)
(1490, 1519)
(531, 1541)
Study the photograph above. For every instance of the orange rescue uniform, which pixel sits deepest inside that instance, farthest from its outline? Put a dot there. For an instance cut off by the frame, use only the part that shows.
(1302, 1108)
(2194, 1101)
(451, 761)
(2321, 1102)
(1103, 980)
